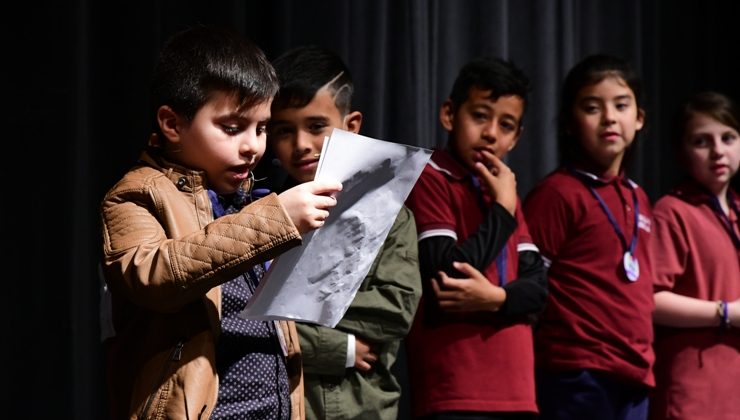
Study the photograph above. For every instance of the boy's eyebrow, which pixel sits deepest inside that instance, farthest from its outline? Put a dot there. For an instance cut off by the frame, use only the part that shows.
(510, 116)
(317, 118)
(236, 115)
(311, 118)
(482, 104)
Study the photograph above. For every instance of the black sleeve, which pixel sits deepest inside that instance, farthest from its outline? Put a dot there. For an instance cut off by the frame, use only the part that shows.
(437, 253)
(528, 294)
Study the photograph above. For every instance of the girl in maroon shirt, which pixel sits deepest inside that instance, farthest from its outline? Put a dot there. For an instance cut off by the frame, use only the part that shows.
(697, 270)
(593, 344)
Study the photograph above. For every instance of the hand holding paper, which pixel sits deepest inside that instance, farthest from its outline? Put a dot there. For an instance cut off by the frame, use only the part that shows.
(317, 281)
(308, 204)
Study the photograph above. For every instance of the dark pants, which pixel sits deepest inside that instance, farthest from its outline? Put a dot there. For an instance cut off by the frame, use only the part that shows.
(470, 415)
(588, 394)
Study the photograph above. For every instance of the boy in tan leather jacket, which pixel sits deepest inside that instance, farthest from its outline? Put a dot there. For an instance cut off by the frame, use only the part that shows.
(185, 242)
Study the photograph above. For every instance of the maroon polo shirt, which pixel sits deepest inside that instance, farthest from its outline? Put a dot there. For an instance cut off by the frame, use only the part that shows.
(697, 370)
(459, 365)
(595, 317)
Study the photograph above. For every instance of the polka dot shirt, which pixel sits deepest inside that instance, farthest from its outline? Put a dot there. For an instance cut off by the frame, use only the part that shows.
(253, 380)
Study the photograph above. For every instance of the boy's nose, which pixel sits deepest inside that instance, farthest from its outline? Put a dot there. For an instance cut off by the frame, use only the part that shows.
(250, 143)
(489, 133)
(303, 140)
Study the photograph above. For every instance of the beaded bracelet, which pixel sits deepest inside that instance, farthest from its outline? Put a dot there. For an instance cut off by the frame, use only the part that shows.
(724, 314)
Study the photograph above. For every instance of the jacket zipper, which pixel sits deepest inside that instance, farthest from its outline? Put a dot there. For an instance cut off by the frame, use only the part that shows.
(175, 356)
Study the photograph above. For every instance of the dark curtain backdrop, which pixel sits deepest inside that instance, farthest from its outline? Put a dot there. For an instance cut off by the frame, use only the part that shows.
(76, 78)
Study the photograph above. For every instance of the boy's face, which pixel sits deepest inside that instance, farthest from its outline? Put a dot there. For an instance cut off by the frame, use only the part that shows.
(482, 123)
(221, 140)
(297, 134)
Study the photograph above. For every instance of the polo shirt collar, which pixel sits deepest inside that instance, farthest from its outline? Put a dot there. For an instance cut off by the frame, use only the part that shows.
(601, 180)
(695, 193)
(443, 161)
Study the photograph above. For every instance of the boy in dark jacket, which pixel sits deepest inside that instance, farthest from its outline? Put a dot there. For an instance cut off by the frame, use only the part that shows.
(347, 369)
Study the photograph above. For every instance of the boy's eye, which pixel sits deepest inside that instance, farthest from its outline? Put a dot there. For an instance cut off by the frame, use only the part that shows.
(261, 129)
(230, 129)
(480, 116)
(279, 131)
(622, 106)
(508, 126)
(316, 128)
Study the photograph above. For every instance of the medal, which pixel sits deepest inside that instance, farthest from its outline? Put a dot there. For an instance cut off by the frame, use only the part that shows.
(631, 266)
(629, 260)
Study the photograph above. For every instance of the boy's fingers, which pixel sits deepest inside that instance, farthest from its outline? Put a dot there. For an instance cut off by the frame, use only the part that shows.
(363, 365)
(324, 187)
(484, 172)
(496, 163)
(464, 268)
(326, 202)
(443, 278)
(435, 286)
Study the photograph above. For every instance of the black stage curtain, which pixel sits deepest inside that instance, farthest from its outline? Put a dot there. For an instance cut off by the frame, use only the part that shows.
(76, 81)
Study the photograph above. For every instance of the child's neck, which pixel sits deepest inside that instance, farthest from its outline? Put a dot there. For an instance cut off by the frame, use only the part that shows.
(602, 170)
(721, 194)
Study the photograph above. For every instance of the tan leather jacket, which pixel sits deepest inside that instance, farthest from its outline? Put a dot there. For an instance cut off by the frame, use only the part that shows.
(164, 258)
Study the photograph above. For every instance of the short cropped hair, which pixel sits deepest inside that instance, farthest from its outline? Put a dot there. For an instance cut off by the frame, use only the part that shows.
(499, 76)
(304, 70)
(202, 60)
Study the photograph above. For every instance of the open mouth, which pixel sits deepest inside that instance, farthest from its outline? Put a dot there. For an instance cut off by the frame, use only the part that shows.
(241, 171)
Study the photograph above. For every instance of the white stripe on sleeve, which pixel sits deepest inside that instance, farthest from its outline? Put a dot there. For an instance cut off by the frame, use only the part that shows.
(437, 232)
(526, 246)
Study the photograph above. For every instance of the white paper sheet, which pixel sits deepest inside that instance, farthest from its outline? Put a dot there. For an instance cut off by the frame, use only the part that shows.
(317, 281)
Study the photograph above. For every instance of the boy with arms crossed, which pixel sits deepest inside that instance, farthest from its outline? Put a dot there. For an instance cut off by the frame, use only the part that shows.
(347, 368)
(470, 347)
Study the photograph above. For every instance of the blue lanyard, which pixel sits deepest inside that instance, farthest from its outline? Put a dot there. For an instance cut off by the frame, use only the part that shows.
(725, 218)
(632, 247)
(501, 258)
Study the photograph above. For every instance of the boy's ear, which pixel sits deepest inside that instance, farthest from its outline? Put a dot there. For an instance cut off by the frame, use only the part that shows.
(168, 123)
(446, 115)
(353, 122)
(516, 139)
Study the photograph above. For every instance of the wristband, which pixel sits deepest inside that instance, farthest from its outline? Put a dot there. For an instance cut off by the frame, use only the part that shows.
(723, 313)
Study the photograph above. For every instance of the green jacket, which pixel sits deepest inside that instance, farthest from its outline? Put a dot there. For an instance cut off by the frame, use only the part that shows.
(381, 313)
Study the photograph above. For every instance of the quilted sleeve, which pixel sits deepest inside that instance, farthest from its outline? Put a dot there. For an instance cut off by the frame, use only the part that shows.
(163, 273)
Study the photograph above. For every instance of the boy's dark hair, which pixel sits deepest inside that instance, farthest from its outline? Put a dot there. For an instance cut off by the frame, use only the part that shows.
(712, 104)
(201, 60)
(302, 71)
(499, 76)
(590, 71)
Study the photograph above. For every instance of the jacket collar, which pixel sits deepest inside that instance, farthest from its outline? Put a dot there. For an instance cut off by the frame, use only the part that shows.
(184, 178)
